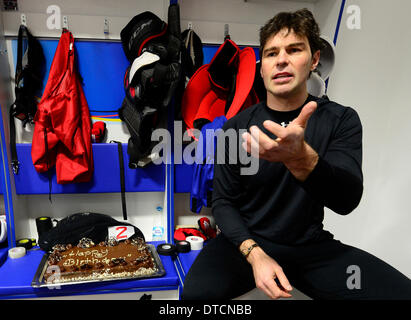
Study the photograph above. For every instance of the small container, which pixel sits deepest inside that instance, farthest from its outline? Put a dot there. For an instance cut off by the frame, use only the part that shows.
(158, 229)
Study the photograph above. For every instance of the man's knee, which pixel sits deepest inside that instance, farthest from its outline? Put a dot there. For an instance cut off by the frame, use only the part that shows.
(226, 288)
(190, 293)
(199, 290)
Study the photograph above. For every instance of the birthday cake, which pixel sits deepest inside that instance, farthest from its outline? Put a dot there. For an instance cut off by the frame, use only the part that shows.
(107, 260)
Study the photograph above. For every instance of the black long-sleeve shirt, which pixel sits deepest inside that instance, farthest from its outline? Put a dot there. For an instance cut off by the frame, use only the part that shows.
(272, 203)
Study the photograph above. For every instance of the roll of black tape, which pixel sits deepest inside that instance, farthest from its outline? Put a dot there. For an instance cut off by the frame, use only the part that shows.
(183, 246)
(166, 249)
(43, 224)
(25, 243)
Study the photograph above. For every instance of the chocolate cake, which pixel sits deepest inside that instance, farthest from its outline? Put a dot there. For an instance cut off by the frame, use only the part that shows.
(106, 260)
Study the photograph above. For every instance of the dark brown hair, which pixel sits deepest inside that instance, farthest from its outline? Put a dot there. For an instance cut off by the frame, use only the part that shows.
(302, 22)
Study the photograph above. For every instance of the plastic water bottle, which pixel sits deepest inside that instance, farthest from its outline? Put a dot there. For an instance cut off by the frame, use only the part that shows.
(158, 229)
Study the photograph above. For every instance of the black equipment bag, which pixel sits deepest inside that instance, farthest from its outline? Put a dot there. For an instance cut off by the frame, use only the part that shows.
(153, 49)
(30, 70)
(73, 228)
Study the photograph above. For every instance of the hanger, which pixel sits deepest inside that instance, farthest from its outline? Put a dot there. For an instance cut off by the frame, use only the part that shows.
(226, 32)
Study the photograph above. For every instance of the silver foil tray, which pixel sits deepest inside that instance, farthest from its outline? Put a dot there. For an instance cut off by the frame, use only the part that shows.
(40, 282)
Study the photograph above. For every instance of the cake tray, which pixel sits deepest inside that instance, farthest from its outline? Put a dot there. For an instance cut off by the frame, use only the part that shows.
(40, 282)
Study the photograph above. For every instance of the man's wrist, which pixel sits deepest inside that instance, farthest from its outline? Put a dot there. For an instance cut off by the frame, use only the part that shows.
(255, 255)
(247, 246)
(302, 166)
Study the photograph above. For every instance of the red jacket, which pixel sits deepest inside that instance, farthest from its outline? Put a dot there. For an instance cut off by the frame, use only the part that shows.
(62, 132)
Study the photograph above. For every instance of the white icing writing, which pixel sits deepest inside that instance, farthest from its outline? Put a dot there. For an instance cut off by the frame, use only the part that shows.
(80, 262)
(86, 257)
(98, 254)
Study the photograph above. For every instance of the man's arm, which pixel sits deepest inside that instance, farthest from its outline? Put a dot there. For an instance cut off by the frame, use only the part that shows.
(227, 193)
(302, 166)
(266, 270)
(289, 148)
(334, 179)
(337, 179)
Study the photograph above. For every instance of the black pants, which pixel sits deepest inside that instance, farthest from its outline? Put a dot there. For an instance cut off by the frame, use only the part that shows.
(325, 270)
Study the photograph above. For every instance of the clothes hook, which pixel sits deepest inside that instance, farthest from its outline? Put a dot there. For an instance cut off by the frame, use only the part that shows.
(190, 25)
(226, 32)
(106, 28)
(23, 19)
(65, 22)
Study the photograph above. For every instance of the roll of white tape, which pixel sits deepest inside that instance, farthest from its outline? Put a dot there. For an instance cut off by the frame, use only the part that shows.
(17, 252)
(196, 243)
(3, 229)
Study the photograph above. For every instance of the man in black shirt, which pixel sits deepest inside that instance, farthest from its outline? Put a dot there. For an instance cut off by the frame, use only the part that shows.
(310, 155)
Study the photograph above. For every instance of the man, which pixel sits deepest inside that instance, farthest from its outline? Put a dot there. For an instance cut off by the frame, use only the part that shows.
(310, 155)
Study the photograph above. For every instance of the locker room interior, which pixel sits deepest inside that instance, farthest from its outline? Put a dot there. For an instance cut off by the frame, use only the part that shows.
(369, 74)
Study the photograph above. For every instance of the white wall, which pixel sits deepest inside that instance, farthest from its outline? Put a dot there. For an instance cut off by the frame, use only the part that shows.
(372, 75)
(244, 18)
(85, 18)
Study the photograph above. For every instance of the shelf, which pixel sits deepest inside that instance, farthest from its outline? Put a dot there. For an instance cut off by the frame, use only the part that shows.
(16, 276)
(106, 177)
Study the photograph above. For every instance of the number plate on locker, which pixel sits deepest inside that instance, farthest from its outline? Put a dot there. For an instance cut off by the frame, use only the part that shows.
(120, 232)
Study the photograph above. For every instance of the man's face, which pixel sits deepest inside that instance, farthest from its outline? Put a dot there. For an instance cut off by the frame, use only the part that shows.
(286, 63)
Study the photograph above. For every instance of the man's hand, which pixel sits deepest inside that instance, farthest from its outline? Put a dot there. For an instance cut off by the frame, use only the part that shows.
(289, 148)
(266, 270)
